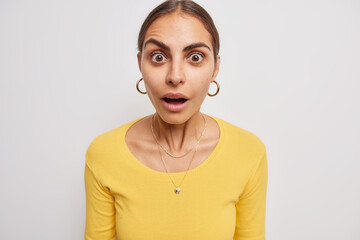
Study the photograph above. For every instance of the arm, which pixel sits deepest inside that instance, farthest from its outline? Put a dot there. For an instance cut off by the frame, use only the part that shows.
(100, 211)
(250, 209)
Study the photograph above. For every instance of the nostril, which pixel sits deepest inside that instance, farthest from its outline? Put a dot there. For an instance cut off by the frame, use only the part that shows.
(176, 81)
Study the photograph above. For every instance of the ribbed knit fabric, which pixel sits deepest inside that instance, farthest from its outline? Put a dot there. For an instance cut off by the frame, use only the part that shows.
(224, 198)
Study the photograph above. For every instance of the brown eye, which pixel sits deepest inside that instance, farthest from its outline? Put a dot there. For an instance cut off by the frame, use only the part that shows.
(196, 57)
(158, 58)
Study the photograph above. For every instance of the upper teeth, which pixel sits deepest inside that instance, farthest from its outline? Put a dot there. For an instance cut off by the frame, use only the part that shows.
(173, 98)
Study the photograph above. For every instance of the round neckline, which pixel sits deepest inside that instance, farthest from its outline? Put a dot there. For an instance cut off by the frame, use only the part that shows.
(132, 159)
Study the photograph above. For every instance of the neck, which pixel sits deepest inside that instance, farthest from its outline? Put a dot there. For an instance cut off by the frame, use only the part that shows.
(178, 138)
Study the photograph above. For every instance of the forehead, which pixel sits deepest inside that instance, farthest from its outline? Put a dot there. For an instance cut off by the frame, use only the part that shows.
(178, 30)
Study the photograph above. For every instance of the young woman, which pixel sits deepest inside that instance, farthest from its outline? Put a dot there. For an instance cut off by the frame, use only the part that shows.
(177, 174)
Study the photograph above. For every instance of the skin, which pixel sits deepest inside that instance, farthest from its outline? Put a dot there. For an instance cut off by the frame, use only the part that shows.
(171, 69)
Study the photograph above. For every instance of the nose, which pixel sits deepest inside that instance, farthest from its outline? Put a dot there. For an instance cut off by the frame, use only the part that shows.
(176, 74)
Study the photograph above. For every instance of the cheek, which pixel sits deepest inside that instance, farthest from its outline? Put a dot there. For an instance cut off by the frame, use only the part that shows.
(153, 74)
(203, 72)
(202, 78)
(200, 88)
(151, 85)
(152, 78)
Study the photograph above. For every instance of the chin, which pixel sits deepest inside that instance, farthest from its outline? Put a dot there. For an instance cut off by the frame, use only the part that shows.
(174, 117)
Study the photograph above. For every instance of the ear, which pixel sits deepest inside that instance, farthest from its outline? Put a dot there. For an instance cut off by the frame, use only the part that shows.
(217, 67)
(139, 60)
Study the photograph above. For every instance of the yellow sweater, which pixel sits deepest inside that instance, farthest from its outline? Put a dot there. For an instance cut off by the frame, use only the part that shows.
(224, 198)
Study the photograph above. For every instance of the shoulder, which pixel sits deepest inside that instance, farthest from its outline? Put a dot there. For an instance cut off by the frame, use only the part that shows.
(106, 144)
(240, 139)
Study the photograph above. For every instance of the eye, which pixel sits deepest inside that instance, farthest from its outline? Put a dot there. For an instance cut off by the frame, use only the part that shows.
(158, 58)
(196, 57)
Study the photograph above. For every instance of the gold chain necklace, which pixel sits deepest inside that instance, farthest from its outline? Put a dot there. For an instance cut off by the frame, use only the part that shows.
(186, 153)
(177, 187)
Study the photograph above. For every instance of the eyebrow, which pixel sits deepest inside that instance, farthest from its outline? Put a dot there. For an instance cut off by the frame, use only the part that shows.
(187, 48)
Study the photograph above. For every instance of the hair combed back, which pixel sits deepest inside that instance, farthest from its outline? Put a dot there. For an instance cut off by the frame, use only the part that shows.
(184, 6)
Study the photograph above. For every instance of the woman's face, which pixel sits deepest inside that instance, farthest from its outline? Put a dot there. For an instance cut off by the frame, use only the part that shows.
(177, 64)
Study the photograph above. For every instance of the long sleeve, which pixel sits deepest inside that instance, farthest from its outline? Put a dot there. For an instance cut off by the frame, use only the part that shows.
(251, 207)
(100, 210)
(129, 200)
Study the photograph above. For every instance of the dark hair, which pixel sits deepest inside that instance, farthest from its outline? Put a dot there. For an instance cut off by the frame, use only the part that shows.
(185, 6)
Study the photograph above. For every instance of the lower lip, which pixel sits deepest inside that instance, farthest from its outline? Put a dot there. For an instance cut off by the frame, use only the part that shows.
(174, 107)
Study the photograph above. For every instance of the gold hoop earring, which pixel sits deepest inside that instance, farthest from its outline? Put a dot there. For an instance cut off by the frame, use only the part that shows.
(217, 90)
(137, 86)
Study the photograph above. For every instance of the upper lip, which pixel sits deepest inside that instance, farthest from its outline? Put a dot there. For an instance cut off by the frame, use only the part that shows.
(174, 95)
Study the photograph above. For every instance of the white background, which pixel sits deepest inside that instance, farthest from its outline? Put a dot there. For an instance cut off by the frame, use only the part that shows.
(290, 73)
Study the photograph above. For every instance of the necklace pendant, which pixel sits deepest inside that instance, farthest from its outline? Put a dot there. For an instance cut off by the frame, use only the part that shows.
(177, 190)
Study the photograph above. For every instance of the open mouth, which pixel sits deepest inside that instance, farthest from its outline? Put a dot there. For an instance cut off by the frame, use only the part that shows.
(175, 100)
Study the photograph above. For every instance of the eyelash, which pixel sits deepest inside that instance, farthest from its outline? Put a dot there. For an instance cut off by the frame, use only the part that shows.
(193, 53)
